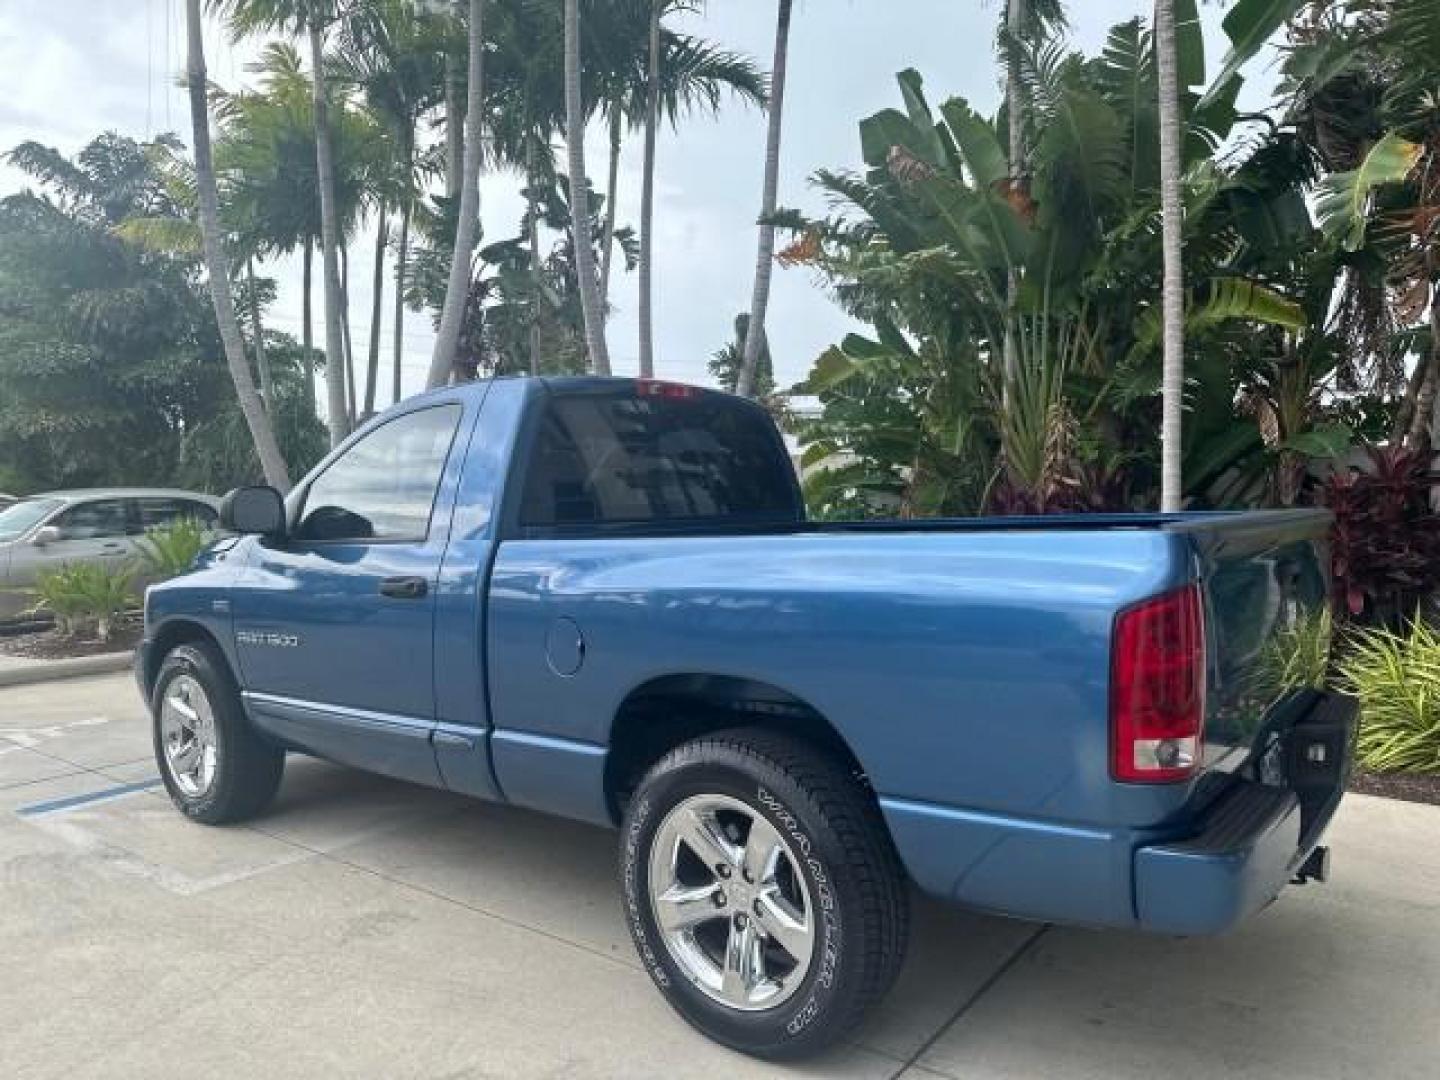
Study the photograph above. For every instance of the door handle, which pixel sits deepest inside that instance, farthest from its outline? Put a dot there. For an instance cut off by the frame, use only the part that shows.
(404, 588)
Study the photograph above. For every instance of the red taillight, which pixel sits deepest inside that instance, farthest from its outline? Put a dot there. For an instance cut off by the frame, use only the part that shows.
(653, 388)
(1157, 688)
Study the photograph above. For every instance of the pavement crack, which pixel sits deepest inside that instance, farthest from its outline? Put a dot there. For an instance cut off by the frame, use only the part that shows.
(966, 1005)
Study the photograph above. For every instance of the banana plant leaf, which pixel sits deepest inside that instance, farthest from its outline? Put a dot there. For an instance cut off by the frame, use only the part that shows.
(1249, 25)
(1344, 198)
(1228, 300)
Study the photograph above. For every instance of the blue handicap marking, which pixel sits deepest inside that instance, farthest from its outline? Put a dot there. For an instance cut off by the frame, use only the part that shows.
(70, 802)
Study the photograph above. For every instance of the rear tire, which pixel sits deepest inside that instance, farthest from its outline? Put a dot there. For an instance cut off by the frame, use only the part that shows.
(778, 964)
(216, 767)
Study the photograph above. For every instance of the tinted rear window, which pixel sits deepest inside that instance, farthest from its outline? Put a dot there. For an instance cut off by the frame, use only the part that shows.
(618, 460)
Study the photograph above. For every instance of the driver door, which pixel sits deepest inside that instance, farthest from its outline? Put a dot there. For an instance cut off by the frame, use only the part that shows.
(333, 626)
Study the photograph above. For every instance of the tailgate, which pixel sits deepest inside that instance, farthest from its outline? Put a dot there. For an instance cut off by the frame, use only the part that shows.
(1265, 577)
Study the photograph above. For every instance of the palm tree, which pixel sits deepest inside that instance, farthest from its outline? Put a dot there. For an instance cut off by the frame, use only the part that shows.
(467, 226)
(311, 18)
(527, 80)
(394, 60)
(647, 194)
(1172, 385)
(1014, 101)
(591, 304)
(454, 118)
(681, 72)
(265, 155)
(760, 301)
(267, 449)
(337, 414)
(1026, 23)
(253, 305)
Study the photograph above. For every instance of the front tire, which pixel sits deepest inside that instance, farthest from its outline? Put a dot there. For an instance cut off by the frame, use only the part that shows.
(762, 892)
(216, 768)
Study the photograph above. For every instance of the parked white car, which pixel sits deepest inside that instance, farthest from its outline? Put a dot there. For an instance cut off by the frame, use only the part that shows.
(98, 525)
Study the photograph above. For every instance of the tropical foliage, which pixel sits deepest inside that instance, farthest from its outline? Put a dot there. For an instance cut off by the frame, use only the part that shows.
(1294, 657)
(86, 598)
(171, 549)
(1385, 547)
(1396, 676)
(110, 363)
(926, 242)
(1006, 267)
(114, 366)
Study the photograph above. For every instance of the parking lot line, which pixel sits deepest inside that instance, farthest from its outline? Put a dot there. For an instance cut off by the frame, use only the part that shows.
(86, 798)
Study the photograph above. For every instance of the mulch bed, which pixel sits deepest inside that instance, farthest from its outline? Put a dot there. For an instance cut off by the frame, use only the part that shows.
(49, 645)
(1409, 787)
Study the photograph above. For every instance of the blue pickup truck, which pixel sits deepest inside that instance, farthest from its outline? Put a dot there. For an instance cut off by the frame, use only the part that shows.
(601, 598)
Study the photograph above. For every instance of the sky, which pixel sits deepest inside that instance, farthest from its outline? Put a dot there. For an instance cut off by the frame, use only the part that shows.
(70, 69)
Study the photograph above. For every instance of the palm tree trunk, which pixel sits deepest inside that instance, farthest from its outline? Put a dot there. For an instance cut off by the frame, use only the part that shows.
(1405, 411)
(307, 327)
(765, 257)
(345, 331)
(337, 413)
(1014, 97)
(267, 449)
(611, 200)
(532, 229)
(454, 123)
(591, 306)
(1425, 404)
(647, 197)
(1172, 386)
(262, 362)
(457, 290)
(402, 257)
(1427, 400)
(377, 308)
(534, 235)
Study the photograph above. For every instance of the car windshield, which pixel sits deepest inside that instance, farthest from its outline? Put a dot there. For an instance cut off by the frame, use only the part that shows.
(23, 516)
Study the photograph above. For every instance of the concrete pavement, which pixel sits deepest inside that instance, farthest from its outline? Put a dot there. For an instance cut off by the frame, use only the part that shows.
(372, 929)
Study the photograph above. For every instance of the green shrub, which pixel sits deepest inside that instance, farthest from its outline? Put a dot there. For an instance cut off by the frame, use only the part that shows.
(1396, 676)
(1296, 657)
(86, 596)
(169, 550)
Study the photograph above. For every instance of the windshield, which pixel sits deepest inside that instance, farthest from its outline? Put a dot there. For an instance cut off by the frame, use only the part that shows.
(24, 516)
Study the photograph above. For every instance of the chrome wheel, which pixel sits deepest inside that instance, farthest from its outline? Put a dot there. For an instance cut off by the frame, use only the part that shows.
(187, 733)
(731, 902)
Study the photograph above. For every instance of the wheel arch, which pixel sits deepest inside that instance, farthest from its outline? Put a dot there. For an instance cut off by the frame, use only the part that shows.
(665, 711)
(167, 639)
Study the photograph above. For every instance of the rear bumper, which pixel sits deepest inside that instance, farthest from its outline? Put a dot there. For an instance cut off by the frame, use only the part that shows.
(1250, 843)
(1201, 878)
(1244, 855)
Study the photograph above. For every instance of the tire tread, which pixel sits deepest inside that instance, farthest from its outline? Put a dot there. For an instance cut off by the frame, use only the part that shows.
(249, 773)
(870, 860)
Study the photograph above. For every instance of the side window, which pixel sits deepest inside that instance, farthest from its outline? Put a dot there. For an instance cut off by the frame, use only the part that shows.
(383, 487)
(155, 512)
(93, 520)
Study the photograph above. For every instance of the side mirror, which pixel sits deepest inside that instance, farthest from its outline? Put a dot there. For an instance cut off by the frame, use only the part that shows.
(47, 534)
(253, 510)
